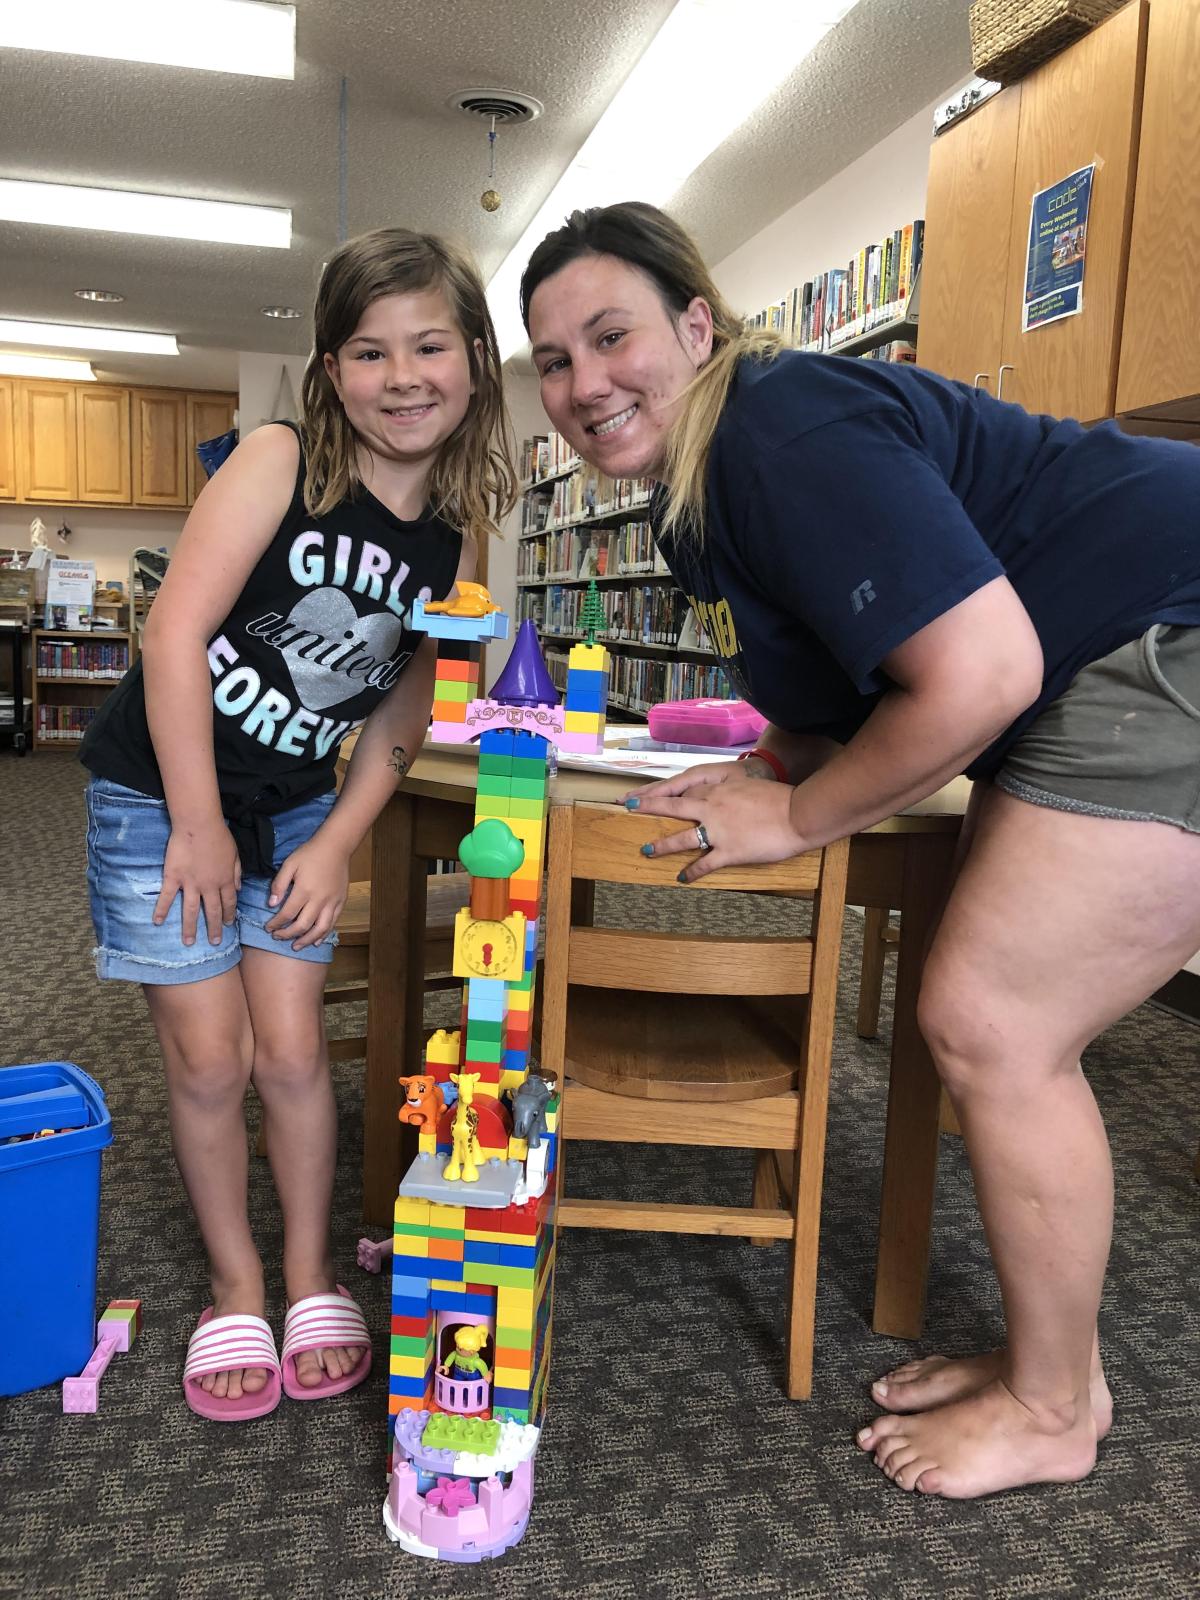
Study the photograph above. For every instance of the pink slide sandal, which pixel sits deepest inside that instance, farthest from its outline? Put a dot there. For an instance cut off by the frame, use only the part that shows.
(321, 1322)
(222, 1343)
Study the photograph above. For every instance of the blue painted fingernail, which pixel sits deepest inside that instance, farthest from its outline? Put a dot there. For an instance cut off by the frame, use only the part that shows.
(682, 878)
(632, 803)
(647, 849)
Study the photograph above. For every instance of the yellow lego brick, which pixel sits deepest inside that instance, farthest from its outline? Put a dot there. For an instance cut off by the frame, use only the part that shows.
(481, 1236)
(427, 1144)
(472, 941)
(445, 1283)
(518, 1149)
(514, 1306)
(519, 1000)
(590, 657)
(511, 1080)
(409, 1366)
(411, 1244)
(408, 1210)
(441, 1216)
(582, 721)
(530, 830)
(511, 1377)
(443, 1048)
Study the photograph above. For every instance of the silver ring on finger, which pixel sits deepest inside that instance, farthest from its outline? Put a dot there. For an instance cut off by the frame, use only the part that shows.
(702, 839)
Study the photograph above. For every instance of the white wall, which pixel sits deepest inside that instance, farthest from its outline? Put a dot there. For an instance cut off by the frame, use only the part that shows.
(876, 194)
(102, 534)
(258, 387)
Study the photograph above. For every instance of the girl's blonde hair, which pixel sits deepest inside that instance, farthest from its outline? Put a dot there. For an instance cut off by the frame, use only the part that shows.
(646, 238)
(473, 483)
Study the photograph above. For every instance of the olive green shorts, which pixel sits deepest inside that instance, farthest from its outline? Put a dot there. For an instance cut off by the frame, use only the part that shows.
(1123, 740)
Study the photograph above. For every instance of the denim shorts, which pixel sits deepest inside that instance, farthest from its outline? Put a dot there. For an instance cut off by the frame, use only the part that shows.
(126, 847)
(1123, 740)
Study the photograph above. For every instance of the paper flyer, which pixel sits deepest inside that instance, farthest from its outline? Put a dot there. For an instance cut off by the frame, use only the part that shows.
(1058, 221)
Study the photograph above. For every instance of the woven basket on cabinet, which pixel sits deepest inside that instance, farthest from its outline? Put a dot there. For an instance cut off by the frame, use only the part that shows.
(1011, 37)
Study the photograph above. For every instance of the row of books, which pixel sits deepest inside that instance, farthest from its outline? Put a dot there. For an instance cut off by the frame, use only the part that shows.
(589, 493)
(544, 455)
(846, 302)
(104, 662)
(639, 682)
(652, 613)
(64, 722)
(626, 550)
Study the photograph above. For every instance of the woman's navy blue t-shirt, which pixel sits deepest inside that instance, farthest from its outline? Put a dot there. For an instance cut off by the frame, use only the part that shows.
(849, 503)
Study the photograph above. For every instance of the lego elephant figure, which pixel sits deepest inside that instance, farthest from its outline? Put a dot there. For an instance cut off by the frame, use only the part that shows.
(529, 1110)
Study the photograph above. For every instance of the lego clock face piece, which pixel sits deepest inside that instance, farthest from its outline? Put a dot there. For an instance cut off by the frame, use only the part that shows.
(484, 948)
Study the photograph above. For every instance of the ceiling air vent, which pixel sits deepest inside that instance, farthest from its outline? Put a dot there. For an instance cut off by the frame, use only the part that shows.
(503, 104)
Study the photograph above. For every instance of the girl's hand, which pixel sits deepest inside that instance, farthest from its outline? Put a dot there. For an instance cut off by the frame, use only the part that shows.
(310, 889)
(695, 777)
(201, 864)
(745, 823)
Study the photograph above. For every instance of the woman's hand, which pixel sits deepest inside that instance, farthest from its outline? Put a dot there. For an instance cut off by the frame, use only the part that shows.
(695, 777)
(745, 823)
(310, 890)
(202, 865)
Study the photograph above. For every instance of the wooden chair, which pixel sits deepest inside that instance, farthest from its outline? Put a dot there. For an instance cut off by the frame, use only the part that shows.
(697, 1040)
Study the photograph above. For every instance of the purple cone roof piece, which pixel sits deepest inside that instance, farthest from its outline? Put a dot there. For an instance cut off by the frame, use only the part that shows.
(525, 680)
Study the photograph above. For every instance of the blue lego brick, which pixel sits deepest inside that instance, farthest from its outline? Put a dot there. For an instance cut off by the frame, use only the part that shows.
(414, 1269)
(497, 742)
(448, 1271)
(409, 1388)
(531, 936)
(409, 1286)
(441, 626)
(585, 699)
(517, 1399)
(530, 746)
(585, 678)
(551, 1139)
(515, 1061)
(482, 1305)
(409, 1305)
(476, 1253)
(517, 1255)
(485, 989)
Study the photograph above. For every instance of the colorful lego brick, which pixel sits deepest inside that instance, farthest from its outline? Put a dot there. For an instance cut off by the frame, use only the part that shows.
(583, 721)
(518, 1255)
(477, 1253)
(407, 1386)
(401, 1344)
(590, 701)
(454, 1297)
(448, 711)
(479, 951)
(464, 671)
(409, 1327)
(497, 742)
(509, 1341)
(588, 657)
(442, 1049)
(410, 1366)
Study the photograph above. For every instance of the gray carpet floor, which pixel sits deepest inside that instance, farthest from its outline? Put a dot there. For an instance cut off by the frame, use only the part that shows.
(671, 1466)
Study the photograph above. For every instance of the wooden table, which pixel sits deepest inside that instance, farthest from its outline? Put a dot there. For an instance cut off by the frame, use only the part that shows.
(903, 864)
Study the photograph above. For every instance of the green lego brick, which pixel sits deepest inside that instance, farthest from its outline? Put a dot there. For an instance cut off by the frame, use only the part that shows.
(495, 766)
(515, 1338)
(527, 788)
(472, 1435)
(454, 689)
(484, 1050)
(493, 783)
(528, 767)
(404, 1344)
(481, 1032)
(498, 1277)
(534, 810)
(493, 805)
(423, 1231)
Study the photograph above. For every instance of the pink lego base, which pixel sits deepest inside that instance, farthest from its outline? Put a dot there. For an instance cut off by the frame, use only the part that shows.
(82, 1394)
(493, 1524)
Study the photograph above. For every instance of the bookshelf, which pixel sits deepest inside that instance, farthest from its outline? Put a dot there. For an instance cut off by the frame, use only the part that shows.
(74, 669)
(578, 526)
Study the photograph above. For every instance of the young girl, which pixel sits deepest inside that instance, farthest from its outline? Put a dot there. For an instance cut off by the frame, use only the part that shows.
(218, 853)
(911, 580)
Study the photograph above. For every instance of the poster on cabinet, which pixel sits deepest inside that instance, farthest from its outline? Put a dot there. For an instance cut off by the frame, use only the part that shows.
(1058, 223)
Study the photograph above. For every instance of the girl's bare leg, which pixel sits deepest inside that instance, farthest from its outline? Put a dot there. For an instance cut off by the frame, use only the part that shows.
(1059, 925)
(204, 1032)
(291, 1075)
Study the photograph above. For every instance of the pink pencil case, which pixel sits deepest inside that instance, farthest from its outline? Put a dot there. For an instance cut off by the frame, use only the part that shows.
(716, 722)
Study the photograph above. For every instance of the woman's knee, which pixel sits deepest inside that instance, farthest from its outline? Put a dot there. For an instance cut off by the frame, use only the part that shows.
(972, 1034)
(290, 1062)
(210, 1069)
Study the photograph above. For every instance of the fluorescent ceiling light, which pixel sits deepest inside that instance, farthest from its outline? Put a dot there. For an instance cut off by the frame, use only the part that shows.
(69, 336)
(216, 35)
(165, 216)
(17, 366)
(709, 66)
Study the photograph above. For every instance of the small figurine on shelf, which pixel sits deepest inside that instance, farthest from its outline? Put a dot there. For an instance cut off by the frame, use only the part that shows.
(466, 1361)
(465, 1132)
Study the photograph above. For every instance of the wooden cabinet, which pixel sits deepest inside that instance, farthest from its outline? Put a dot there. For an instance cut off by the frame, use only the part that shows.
(102, 426)
(47, 449)
(208, 416)
(1082, 106)
(159, 447)
(8, 440)
(1160, 344)
(964, 269)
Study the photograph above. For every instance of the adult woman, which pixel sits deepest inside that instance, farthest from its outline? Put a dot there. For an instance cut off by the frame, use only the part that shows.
(911, 581)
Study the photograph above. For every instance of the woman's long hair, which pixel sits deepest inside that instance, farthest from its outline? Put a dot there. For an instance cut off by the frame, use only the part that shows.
(648, 239)
(473, 482)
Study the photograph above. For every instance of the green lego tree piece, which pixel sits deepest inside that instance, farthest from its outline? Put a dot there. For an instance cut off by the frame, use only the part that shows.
(466, 1435)
(491, 850)
(591, 615)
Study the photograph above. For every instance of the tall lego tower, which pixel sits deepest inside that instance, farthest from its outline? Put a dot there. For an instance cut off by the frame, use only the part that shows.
(474, 1239)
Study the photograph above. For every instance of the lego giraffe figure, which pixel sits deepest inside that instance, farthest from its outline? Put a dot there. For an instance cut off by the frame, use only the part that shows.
(464, 1131)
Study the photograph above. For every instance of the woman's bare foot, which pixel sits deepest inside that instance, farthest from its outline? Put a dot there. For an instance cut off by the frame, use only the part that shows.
(978, 1445)
(245, 1300)
(338, 1360)
(933, 1381)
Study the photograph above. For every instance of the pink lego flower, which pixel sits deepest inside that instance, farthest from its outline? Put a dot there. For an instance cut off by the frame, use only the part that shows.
(452, 1494)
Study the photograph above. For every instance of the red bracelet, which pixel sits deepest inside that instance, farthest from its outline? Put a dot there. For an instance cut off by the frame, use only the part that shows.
(776, 766)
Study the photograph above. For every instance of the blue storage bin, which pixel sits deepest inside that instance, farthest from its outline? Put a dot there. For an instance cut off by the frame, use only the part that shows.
(49, 1222)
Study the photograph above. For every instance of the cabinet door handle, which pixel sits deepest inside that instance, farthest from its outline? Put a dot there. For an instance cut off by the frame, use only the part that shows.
(976, 379)
(1005, 366)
